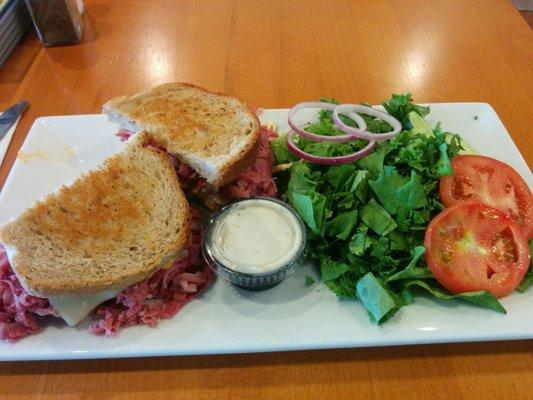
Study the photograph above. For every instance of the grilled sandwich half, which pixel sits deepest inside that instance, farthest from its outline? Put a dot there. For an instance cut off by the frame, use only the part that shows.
(112, 227)
(216, 135)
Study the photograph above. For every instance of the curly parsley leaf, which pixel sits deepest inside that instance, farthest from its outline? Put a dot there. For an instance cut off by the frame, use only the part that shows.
(400, 105)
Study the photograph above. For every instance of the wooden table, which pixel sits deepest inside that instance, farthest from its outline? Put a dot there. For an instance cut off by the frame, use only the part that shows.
(274, 54)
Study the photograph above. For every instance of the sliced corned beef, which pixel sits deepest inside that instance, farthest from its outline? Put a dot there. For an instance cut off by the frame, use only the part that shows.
(160, 296)
(19, 311)
(256, 180)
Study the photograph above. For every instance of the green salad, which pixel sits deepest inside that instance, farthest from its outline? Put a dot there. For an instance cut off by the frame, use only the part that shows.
(367, 219)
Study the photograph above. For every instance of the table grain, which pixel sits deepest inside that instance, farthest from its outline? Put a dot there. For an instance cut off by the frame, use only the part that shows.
(273, 54)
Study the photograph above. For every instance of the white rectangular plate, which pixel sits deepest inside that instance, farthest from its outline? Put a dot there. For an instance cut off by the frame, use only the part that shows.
(225, 319)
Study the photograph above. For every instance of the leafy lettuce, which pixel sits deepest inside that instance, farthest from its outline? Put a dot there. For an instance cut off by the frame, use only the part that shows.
(367, 219)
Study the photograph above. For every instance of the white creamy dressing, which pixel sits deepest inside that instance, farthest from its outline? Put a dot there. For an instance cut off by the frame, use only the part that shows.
(256, 237)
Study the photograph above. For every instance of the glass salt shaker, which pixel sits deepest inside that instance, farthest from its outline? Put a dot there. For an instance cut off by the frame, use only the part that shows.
(57, 21)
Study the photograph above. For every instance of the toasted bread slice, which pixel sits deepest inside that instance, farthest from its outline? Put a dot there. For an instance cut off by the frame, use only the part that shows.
(112, 227)
(217, 135)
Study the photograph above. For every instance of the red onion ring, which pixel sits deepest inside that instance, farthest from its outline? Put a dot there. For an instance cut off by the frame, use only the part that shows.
(354, 133)
(351, 109)
(327, 160)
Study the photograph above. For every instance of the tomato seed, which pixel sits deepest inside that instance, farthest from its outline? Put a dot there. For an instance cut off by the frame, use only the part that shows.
(503, 247)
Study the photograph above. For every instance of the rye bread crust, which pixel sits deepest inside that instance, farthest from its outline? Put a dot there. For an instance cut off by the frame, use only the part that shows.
(112, 227)
(217, 135)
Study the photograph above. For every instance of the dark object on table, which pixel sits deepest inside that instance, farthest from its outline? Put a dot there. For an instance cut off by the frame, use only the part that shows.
(14, 23)
(56, 21)
(10, 116)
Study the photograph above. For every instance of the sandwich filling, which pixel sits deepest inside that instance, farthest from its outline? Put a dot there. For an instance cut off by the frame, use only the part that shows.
(256, 180)
(20, 312)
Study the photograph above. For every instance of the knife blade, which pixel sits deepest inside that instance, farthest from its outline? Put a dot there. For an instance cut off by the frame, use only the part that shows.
(10, 116)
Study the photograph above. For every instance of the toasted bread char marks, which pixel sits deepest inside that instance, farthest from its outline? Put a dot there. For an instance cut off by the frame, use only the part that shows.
(216, 135)
(112, 227)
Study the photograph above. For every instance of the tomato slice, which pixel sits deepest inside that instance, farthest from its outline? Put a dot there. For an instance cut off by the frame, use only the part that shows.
(471, 246)
(491, 182)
